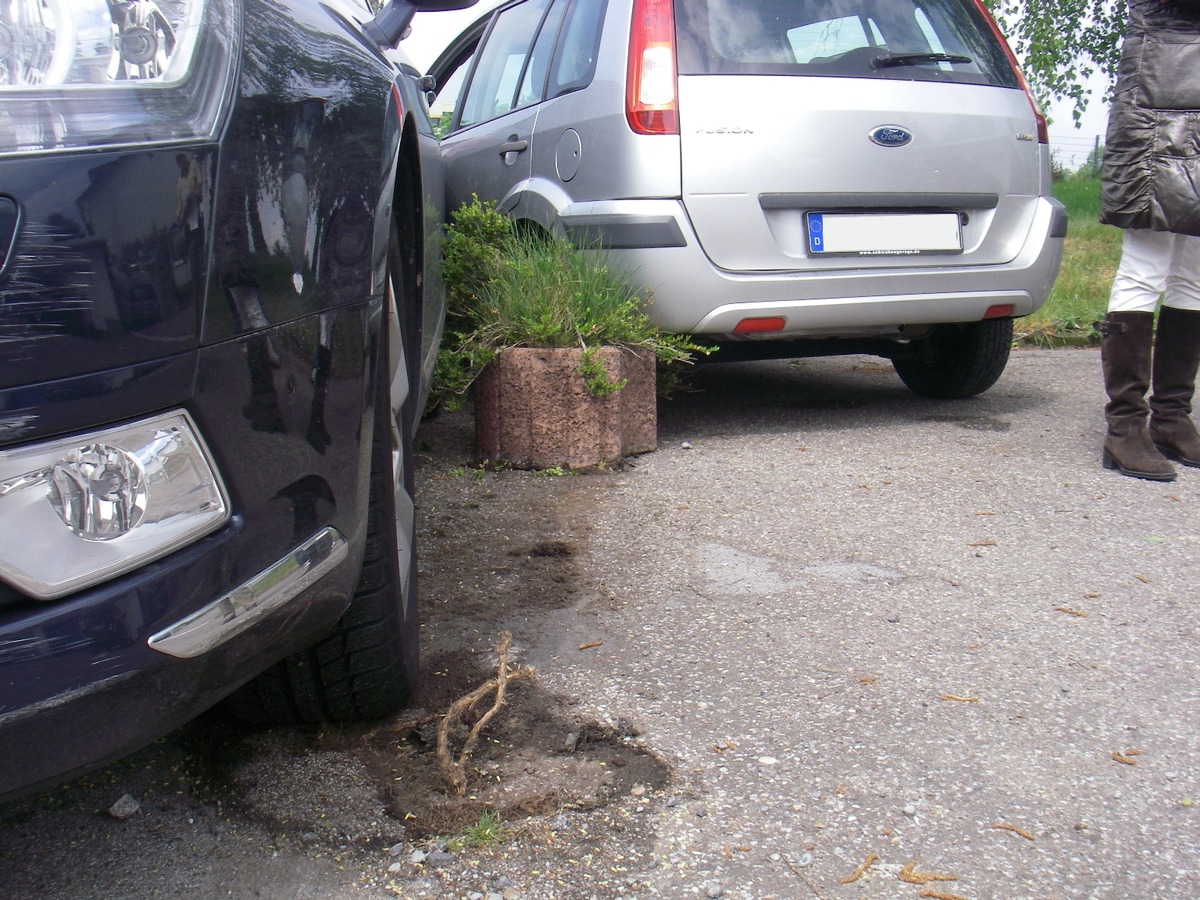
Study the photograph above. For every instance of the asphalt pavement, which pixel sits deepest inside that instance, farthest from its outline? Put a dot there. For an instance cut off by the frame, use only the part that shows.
(867, 626)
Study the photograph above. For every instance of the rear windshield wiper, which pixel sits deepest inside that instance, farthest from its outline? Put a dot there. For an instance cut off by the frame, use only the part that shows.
(888, 60)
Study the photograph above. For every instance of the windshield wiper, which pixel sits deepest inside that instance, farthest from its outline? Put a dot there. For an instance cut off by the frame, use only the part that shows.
(888, 60)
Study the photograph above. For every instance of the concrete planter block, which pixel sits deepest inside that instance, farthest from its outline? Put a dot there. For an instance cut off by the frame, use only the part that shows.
(533, 410)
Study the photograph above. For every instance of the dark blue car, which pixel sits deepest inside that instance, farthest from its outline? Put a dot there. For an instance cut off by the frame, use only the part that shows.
(220, 302)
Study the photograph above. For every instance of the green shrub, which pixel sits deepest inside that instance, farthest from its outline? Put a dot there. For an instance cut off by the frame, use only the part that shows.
(507, 287)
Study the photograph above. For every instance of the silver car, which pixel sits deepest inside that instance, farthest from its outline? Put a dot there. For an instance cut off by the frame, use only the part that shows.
(785, 177)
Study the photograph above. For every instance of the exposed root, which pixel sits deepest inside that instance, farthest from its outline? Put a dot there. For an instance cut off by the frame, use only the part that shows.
(940, 895)
(1004, 826)
(454, 770)
(858, 873)
(910, 875)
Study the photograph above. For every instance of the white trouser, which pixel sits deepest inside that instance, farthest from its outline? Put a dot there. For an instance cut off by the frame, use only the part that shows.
(1154, 263)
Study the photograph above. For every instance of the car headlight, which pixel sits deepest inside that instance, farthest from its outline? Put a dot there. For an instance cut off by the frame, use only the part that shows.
(82, 73)
(81, 510)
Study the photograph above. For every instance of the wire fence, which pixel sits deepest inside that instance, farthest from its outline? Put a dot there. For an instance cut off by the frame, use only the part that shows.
(1076, 152)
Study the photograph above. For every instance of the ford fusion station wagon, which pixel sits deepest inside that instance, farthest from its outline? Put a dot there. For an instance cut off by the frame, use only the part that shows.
(220, 303)
(785, 177)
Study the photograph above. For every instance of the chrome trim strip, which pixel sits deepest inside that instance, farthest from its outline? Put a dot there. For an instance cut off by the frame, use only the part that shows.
(275, 586)
(898, 200)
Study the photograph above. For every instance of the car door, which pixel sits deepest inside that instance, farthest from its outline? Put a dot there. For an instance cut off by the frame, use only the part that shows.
(488, 148)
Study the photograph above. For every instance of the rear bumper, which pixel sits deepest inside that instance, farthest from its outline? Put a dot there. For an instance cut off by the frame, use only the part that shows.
(688, 294)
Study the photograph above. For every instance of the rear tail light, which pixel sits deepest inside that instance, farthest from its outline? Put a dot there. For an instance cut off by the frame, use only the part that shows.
(78, 73)
(651, 103)
(1043, 135)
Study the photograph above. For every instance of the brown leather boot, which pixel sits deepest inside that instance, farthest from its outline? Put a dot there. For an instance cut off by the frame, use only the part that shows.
(1176, 356)
(1125, 358)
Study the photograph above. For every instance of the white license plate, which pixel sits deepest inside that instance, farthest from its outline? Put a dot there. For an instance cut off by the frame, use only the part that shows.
(884, 234)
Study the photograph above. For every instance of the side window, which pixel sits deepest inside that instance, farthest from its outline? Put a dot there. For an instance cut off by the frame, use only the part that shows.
(534, 83)
(501, 66)
(449, 90)
(575, 63)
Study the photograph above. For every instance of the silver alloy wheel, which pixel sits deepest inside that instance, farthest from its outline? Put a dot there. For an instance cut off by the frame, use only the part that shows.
(399, 389)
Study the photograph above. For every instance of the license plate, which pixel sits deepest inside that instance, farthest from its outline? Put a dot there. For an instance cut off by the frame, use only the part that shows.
(884, 234)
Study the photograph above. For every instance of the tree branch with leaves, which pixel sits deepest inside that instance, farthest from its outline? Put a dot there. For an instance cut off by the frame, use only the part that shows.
(1062, 43)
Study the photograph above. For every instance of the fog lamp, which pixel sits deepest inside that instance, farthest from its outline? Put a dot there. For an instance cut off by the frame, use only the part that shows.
(78, 511)
(98, 491)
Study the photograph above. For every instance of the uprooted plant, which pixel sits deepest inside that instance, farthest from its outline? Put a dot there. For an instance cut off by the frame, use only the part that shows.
(508, 287)
(454, 770)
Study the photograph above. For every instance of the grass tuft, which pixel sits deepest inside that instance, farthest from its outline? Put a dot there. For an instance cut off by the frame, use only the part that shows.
(1091, 253)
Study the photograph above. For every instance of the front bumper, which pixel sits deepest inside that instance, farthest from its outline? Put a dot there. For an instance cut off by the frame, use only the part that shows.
(81, 683)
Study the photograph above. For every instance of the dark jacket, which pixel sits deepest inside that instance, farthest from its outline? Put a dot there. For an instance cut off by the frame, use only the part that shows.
(1151, 172)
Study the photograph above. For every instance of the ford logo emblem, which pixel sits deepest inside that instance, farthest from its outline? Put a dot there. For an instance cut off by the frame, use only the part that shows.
(891, 136)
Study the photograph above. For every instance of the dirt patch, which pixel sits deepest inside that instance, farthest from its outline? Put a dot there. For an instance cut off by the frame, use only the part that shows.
(538, 758)
(488, 566)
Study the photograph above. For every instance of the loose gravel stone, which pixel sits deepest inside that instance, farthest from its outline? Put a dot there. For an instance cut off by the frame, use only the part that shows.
(125, 808)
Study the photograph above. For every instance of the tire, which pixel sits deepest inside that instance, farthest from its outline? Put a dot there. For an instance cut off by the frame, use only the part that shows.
(957, 361)
(367, 666)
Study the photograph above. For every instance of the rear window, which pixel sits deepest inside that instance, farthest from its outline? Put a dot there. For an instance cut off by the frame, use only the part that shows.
(927, 40)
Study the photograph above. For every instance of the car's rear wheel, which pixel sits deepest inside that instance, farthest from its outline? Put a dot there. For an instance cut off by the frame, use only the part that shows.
(957, 361)
(367, 666)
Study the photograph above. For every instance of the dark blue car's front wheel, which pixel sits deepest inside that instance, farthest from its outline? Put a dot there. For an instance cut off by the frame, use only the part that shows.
(367, 666)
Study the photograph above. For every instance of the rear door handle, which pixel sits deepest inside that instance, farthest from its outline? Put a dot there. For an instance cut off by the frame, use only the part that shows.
(512, 145)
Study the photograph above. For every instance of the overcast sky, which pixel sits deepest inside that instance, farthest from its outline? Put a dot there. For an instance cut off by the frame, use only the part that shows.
(431, 32)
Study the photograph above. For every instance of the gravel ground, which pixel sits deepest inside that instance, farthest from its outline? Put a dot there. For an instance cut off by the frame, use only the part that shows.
(826, 623)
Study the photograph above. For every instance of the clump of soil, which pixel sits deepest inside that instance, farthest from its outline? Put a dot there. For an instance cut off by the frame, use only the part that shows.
(536, 757)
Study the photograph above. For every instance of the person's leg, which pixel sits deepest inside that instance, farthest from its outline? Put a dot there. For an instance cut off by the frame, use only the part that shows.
(1176, 357)
(1125, 354)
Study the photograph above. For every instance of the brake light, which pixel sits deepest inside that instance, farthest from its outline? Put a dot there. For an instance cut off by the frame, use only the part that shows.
(1042, 134)
(651, 103)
